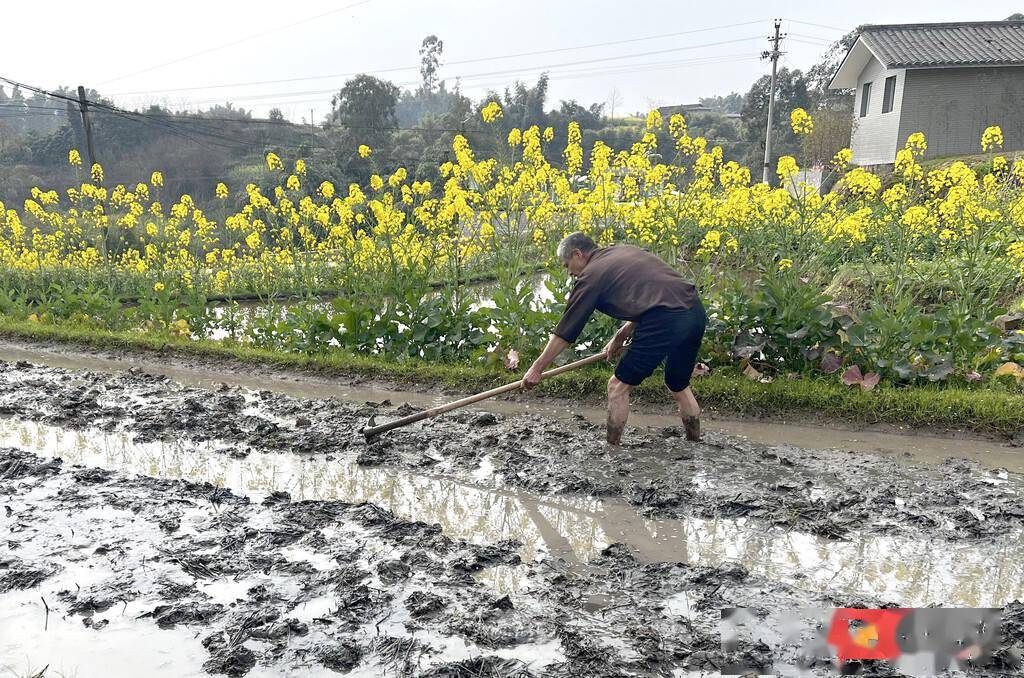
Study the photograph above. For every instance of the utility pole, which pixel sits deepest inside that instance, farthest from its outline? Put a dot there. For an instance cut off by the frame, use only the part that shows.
(312, 132)
(83, 105)
(774, 56)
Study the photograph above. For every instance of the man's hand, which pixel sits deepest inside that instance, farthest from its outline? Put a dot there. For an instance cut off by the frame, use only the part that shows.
(613, 348)
(532, 376)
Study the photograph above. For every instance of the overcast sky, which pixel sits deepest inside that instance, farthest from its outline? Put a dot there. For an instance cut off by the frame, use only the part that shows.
(676, 51)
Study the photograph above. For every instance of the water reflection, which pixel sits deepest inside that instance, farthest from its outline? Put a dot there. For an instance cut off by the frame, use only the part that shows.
(904, 571)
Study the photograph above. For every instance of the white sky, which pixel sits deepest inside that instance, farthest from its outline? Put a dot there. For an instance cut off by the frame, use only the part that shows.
(104, 45)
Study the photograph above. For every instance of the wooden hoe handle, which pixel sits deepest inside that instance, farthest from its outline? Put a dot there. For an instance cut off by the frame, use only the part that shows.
(469, 400)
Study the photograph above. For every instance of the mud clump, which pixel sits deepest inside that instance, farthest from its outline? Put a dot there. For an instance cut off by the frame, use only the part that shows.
(342, 657)
(422, 604)
(481, 667)
(169, 616)
(18, 575)
(15, 465)
(236, 660)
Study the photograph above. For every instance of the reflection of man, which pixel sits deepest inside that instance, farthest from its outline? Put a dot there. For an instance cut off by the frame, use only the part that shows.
(663, 316)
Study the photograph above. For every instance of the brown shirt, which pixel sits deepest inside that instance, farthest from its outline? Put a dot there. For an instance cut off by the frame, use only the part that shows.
(624, 282)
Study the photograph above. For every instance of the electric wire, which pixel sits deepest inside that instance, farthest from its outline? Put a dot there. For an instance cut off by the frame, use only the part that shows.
(235, 42)
(449, 63)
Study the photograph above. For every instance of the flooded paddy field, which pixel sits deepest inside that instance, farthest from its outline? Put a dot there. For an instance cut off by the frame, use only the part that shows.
(177, 527)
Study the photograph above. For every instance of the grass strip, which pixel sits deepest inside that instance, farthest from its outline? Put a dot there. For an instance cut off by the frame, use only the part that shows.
(985, 410)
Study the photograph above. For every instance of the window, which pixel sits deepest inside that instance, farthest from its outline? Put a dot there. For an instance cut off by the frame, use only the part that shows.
(889, 93)
(865, 99)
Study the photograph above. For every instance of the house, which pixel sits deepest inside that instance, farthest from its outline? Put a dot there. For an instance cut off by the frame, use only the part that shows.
(668, 111)
(948, 80)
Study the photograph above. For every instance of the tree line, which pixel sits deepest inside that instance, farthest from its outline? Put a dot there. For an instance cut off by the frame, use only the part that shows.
(411, 128)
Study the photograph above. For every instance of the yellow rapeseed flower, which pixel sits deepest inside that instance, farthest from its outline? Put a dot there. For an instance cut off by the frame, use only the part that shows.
(801, 121)
(157, 179)
(491, 112)
(96, 173)
(364, 151)
(842, 158)
(274, 162)
(992, 138)
(74, 157)
(787, 168)
(222, 191)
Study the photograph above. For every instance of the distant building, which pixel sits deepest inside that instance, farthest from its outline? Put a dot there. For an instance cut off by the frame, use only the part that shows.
(669, 111)
(949, 81)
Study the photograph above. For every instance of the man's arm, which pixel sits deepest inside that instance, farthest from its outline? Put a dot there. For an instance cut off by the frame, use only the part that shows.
(555, 346)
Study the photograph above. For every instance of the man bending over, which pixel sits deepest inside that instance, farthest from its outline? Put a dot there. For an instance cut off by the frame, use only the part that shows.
(663, 315)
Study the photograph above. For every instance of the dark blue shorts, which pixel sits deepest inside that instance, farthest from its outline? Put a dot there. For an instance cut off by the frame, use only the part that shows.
(664, 334)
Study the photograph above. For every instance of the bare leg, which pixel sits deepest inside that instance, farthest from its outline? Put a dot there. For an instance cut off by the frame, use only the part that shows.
(618, 409)
(689, 410)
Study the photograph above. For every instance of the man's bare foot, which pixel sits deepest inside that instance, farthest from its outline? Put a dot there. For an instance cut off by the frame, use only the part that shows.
(614, 435)
(692, 426)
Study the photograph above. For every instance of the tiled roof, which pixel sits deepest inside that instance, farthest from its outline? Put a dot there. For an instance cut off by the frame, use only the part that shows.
(982, 43)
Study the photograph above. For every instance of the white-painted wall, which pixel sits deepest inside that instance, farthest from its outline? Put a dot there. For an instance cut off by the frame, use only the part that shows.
(875, 137)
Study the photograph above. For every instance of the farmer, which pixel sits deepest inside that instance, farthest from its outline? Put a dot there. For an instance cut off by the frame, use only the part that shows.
(663, 315)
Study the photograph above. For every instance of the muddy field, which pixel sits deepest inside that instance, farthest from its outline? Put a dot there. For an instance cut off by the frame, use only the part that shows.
(151, 528)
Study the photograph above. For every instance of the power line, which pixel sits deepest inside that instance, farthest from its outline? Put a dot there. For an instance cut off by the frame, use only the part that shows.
(819, 38)
(237, 42)
(11, 107)
(622, 69)
(175, 125)
(808, 42)
(808, 23)
(617, 68)
(518, 70)
(449, 63)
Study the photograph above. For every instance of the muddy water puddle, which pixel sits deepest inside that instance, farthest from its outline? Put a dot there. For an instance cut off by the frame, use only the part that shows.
(907, 447)
(574, 529)
(114, 599)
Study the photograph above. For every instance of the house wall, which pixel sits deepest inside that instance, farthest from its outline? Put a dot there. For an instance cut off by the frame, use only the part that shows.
(953, 106)
(876, 136)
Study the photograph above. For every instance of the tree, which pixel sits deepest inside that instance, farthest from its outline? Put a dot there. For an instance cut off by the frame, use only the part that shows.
(430, 62)
(367, 102)
(275, 114)
(831, 132)
(523, 106)
(730, 103)
(792, 91)
(821, 73)
(614, 100)
(573, 111)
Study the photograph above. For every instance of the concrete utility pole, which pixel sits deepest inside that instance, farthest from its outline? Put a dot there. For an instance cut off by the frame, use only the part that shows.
(83, 105)
(774, 56)
(312, 132)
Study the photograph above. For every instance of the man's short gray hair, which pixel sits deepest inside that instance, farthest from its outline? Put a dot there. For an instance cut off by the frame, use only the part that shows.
(575, 241)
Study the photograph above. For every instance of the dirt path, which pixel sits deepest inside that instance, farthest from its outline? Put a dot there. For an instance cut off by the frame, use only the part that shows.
(157, 527)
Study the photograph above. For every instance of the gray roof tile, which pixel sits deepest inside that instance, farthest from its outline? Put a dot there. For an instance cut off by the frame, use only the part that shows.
(951, 44)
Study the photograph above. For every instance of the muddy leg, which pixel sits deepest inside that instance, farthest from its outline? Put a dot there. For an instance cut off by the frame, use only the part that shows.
(618, 409)
(689, 410)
